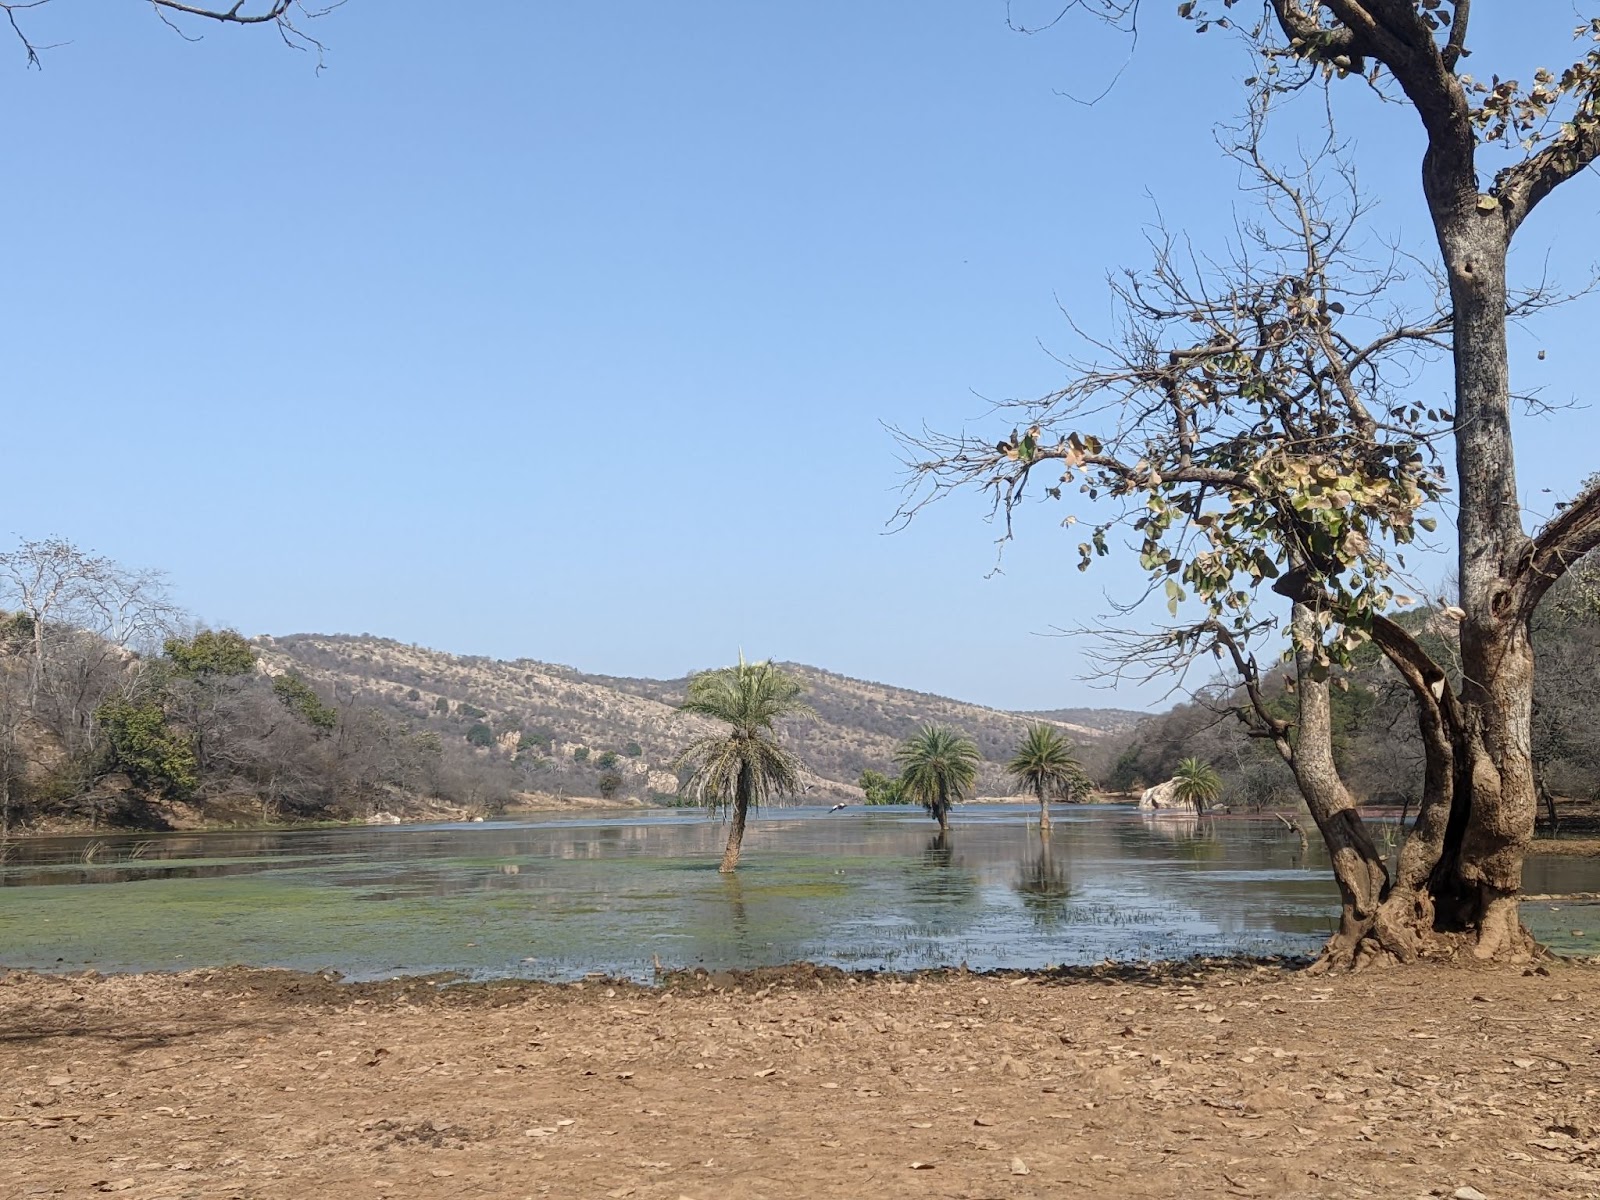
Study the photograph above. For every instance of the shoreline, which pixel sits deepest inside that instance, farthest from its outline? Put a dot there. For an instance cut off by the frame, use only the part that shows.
(1570, 847)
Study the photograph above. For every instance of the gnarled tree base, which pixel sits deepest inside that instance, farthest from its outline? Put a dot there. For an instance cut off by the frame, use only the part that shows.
(1408, 927)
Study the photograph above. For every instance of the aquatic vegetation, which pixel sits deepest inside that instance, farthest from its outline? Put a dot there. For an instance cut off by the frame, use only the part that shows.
(557, 898)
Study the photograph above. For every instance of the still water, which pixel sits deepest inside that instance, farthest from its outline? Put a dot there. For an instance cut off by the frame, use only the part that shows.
(559, 897)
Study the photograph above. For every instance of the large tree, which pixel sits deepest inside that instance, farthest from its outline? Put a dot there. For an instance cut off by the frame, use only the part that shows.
(1277, 431)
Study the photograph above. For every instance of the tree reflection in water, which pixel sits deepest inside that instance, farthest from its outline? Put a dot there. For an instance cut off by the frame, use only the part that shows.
(1043, 884)
(733, 892)
(942, 878)
(1193, 835)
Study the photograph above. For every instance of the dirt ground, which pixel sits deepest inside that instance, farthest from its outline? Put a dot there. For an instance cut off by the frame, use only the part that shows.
(1196, 1080)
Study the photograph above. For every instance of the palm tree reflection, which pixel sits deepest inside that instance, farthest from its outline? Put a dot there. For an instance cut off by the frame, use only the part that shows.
(942, 879)
(1043, 883)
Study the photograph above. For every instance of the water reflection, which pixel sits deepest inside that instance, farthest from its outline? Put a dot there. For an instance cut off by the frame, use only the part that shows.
(1174, 824)
(1043, 883)
(558, 897)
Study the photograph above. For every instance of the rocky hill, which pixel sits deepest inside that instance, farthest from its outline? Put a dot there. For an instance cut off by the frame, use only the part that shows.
(571, 719)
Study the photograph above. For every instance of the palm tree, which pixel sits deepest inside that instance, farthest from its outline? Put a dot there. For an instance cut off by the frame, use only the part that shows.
(744, 765)
(1198, 784)
(938, 768)
(1045, 765)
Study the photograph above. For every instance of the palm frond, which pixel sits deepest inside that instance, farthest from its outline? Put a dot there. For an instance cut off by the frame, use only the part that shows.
(938, 768)
(750, 698)
(1044, 764)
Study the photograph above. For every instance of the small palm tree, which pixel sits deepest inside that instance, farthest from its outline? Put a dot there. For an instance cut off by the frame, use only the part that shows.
(743, 766)
(938, 768)
(1198, 784)
(1045, 765)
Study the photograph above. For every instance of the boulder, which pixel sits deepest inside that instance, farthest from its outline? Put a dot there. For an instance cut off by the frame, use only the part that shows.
(1164, 795)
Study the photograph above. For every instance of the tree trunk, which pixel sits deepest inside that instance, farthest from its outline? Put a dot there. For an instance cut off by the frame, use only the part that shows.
(741, 810)
(1358, 868)
(1496, 650)
(1044, 810)
(730, 856)
(1548, 799)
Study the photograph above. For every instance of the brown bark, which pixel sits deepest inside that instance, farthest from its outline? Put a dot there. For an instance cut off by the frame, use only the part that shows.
(1044, 810)
(1358, 868)
(741, 810)
(730, 856)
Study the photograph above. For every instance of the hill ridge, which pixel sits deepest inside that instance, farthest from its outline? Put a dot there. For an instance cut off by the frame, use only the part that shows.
(569, 718)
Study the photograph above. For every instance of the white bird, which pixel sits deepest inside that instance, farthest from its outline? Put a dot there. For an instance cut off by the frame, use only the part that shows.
(838, 806)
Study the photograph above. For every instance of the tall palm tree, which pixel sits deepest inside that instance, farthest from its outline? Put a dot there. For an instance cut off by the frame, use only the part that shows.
(743, 766)
(1198, 784)
(938, 768)
(1045, 765)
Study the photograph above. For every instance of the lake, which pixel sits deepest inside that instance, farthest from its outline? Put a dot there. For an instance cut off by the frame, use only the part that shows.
(557, 897)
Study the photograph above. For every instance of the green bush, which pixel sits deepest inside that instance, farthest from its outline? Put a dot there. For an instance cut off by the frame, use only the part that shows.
(150, 751)
(607, 761)
(633, 750)
(211, 652)
(441, 705)
(480, 735)
(610, 785)
(880, 788)
(581, 754)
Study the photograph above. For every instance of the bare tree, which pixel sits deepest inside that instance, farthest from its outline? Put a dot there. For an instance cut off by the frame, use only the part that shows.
(62, 591)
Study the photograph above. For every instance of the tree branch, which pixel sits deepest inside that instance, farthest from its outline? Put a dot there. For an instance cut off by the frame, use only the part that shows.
(1556, 547)
(1520, 188)
(1457, 45)
(235, 14)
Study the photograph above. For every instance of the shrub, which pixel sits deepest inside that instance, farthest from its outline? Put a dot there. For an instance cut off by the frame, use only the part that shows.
(297, 696)
(152, 753)
(211, 652)
(581, 754)
(610, 784)
(480, 735)
(633, 750)
(607, 761)
(880, 788)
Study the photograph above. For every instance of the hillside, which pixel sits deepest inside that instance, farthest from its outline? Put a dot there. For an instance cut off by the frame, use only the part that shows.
(562, 712)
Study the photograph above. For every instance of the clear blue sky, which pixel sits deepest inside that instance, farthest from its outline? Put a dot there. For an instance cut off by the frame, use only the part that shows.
(565, 330)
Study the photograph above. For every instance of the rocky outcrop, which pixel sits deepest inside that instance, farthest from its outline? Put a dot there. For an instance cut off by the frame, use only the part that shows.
(1164, 796)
